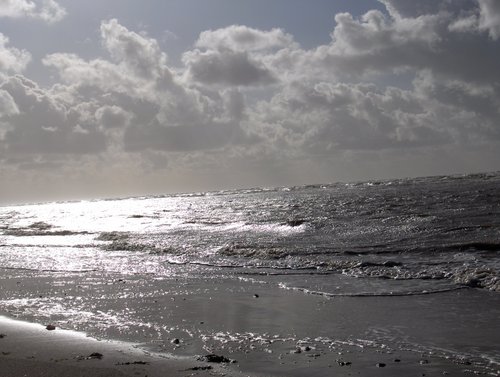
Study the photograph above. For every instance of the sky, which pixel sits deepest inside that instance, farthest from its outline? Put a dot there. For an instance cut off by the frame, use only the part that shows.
(121, 97)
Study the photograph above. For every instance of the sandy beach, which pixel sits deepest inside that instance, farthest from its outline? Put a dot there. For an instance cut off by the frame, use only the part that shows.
(29, 349)
(267, 331)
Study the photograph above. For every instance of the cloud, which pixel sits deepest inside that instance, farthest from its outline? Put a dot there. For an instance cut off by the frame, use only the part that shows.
(226, 68)
(243, 38)
(140, 54)
(414, 9)
(377, 44)
(236, 56)
(47, 10)
(147, 104)
(8, 106)
(490, 17)
(11, 58)
(113, 116)
(43, 125)
(452, 97)
(325, 118)
(97, 73)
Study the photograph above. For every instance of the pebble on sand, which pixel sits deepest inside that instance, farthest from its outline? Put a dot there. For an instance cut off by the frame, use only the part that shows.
(50, 327)
(380, 365)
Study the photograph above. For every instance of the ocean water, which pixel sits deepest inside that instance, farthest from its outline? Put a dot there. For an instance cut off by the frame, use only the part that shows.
(95, 265)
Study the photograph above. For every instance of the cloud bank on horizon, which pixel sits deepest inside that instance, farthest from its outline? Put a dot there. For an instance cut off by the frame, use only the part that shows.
(411, 90)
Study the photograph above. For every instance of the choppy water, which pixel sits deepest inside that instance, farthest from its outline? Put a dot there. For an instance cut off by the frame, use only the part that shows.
(388, 238)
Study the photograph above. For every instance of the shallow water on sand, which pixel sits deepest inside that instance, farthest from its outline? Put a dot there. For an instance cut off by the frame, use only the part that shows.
(401, 266)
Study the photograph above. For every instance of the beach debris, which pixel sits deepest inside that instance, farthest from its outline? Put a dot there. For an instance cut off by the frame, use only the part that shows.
(133, 363)
(256, 295)
(208, 367)
(175, 341)
(5, 353)
(423, 362)
(343, 363)
(136, 216)
(94, 355)
(50, 327)
(380, 365)
(397, 360)
(2, 336)
(300, 349)
(213, 358)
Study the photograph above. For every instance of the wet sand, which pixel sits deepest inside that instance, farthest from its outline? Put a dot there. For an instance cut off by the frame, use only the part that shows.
(267, 330)
(30, 350)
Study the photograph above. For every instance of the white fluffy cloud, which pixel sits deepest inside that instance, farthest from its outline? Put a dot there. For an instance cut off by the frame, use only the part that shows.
(11, 58)
(46, 10)
(140, 54)
(142, 99)
(236, 56)
(8, 106)
(243, 38)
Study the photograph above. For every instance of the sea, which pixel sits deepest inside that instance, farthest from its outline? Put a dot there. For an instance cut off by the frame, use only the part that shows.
(98, 266)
